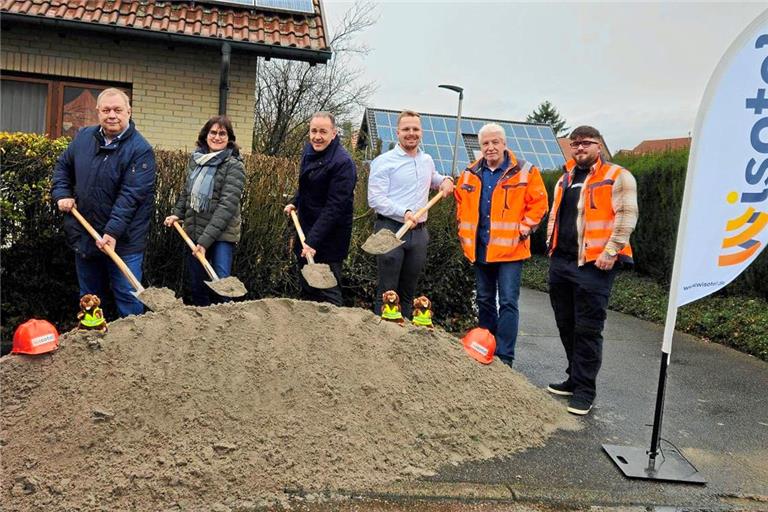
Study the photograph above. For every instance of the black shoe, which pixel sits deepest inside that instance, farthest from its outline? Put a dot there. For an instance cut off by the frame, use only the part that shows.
(579, 405)
(562, 389)
(506, 360)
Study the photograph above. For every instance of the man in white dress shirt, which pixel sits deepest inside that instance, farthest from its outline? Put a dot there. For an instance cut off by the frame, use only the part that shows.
(398, 186)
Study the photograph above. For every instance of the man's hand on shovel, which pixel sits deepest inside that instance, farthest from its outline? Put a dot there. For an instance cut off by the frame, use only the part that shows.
(447, 186)
(307, 250)
(106, 240)
(65, 205)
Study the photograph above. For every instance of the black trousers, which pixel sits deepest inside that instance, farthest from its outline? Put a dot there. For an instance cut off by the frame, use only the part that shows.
(332, 295)
(399, 269)
(579, 297)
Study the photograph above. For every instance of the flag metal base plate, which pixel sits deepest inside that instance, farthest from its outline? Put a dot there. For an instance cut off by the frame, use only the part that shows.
(670, 465)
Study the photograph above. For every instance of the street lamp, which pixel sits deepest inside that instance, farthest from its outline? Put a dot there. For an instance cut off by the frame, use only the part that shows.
(459, 90)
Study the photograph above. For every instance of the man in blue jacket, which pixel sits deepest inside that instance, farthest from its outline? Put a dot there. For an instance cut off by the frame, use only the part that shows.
(108, 173)
(324, 203)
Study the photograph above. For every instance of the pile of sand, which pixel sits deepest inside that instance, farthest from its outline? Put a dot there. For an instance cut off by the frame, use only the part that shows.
(233, 404)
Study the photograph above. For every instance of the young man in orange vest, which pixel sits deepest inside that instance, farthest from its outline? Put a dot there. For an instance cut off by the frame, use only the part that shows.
(593, 214)
(500, 199)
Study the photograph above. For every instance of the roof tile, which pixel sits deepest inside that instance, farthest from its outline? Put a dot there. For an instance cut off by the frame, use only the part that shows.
(188, 17)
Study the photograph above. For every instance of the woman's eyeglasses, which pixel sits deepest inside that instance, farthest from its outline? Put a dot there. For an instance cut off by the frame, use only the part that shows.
(220, 133)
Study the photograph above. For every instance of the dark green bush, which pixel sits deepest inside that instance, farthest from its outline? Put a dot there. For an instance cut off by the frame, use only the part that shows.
(660, 185)
(38, 277)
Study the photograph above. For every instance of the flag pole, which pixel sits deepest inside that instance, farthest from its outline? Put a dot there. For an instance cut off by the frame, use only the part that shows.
(673, 466)
(636, 462)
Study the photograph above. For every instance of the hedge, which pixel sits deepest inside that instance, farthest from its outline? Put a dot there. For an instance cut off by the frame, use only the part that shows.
(38, 275)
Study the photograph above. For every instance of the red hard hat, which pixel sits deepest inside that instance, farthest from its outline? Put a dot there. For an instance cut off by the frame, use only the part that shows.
(35, 337)
(480, 344)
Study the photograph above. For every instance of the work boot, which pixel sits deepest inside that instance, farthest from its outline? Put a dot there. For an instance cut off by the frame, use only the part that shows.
(579, 405)
(506, 360)
(563, 389)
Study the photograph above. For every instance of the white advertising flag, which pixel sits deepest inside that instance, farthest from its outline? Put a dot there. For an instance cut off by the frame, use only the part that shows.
(724, 218)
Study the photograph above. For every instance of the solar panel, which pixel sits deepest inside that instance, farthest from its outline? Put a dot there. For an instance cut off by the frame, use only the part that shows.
(533, 142)
(298, 6)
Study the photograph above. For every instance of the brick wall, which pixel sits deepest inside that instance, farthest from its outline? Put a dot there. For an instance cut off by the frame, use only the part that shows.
(175, 88)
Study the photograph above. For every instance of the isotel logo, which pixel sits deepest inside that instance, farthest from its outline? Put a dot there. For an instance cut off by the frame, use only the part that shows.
(752, 221)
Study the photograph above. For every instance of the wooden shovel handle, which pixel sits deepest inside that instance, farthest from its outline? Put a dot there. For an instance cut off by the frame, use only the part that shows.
(207, 266)
(110, 252)
(300, 231)
(408, 224)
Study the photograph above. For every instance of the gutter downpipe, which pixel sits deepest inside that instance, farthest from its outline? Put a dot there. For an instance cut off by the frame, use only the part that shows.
(226, 52)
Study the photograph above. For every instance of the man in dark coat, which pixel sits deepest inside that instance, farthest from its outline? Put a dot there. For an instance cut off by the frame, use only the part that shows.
(108, 173)
(324, 203)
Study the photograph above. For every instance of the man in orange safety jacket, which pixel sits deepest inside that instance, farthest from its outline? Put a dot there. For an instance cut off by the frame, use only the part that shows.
(500, 200)
(593, 213)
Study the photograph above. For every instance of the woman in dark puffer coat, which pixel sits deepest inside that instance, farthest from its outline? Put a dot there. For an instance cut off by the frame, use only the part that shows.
(209, 204)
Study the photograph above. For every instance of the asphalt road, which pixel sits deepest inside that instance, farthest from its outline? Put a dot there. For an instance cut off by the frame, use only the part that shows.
(716, 413)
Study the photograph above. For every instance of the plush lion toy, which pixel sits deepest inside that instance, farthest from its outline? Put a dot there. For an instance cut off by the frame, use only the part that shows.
(390, 309)
(422, 312)
(90, 315)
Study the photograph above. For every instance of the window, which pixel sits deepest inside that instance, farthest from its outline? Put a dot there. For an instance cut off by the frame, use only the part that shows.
(54, 107)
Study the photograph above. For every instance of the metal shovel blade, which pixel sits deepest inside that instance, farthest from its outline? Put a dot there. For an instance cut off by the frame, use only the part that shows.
(228, 287)
(381, 242)
(318, 275)
(157, 299)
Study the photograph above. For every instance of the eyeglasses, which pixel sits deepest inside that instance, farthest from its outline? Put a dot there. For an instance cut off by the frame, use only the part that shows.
(220, 133)
(585, 143)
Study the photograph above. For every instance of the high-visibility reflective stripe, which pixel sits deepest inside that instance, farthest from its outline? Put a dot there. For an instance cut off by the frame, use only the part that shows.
(505, 225)
(593, 242)
(599, 224)
(466, 241)
(467, 225)
(529, 221)
(504, 242)
(600, 183)
(612, 172)
(524, 170)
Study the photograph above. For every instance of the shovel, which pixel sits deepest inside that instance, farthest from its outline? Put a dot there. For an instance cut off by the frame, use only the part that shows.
(317, 275)
(227, 287)
(383, 241)
(118, 261)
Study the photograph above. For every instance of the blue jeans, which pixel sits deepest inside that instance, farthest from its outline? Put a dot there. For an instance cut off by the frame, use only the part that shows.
(220, 256)
(502, 322)
(94, 273)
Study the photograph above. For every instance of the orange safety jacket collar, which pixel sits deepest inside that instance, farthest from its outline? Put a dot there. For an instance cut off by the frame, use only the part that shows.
(519, 198)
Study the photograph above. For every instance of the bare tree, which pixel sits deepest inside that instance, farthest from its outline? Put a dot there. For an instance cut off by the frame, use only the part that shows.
(289, 92)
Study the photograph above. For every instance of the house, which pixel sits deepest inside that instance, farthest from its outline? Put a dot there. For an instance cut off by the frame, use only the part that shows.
(661, 145)
(180, 62)
(534, 142)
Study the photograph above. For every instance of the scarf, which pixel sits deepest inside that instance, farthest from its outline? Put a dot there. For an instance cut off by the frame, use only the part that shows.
(200, 182)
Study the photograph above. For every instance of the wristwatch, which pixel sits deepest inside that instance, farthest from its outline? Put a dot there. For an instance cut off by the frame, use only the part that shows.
(611, 252)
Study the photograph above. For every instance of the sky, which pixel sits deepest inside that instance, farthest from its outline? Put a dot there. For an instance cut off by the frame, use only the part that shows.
(635, 71)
